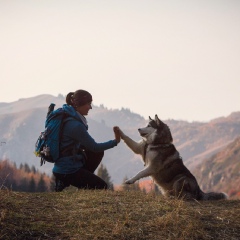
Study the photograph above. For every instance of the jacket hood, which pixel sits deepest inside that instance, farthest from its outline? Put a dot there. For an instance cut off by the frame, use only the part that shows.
(71, 111)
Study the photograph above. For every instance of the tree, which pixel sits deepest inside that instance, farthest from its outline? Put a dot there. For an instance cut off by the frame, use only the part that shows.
(7, 184)
(27, 168)
(60, 96)
(52, 183)
(33, 169)
(23, 186)
(41, 187)
(32, 185)
(103, 173)
(14, 185)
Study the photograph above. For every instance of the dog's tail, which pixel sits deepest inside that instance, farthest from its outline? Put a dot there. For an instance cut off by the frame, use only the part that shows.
(213, 196)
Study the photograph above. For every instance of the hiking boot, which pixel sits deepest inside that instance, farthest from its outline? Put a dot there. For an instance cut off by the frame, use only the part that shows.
(59, 185)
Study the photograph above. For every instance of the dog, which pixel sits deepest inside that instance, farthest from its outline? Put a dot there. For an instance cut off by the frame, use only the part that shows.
(164, 164)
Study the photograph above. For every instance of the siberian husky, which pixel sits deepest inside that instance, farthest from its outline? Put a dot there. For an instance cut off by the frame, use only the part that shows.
(163, 163)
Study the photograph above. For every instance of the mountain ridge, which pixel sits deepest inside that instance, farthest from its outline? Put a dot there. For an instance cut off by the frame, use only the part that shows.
(22, 121)
(221, 171)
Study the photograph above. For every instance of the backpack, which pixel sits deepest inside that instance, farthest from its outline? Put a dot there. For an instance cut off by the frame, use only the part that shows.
(47, 146)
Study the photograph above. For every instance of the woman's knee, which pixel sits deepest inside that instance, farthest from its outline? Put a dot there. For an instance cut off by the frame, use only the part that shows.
(104, 185)
(95, 155)
(101, 154)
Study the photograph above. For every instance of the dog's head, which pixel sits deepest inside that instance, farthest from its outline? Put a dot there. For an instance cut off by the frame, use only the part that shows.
(156, 132)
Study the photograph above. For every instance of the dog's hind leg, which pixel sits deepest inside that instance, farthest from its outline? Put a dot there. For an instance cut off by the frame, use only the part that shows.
(146, 172)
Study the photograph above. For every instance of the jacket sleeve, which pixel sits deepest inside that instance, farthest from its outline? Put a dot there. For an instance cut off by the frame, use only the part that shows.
(79, 133)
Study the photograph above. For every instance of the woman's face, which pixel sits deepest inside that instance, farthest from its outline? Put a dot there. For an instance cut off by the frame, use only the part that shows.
(84, 108)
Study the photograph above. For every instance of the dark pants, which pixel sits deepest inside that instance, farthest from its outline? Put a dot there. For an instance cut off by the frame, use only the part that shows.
(85, 178)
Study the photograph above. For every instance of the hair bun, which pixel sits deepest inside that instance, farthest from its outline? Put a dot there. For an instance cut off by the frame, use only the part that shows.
(69, 97)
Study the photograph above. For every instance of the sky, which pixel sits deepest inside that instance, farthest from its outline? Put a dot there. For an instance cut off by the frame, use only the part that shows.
(177, 59)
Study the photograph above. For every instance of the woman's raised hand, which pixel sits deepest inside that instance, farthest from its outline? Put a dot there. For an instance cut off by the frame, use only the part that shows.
(116, 131)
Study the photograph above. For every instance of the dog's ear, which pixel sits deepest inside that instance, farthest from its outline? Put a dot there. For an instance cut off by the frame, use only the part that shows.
(150, 118)
(157, 120)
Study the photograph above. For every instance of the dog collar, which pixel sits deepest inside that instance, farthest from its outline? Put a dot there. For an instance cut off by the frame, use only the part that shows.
(160, 145)
(155, 146)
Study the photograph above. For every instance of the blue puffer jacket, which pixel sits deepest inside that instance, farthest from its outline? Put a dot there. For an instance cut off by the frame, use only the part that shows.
(75, 133)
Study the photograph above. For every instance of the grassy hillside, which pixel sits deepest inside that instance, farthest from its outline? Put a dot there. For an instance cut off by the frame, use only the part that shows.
(114, 215)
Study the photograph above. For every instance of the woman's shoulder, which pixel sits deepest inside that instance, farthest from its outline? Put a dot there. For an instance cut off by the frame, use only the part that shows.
(74, 123)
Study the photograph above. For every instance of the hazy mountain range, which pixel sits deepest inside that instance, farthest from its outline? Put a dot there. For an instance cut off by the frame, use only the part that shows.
(221, 172)
(23, 120)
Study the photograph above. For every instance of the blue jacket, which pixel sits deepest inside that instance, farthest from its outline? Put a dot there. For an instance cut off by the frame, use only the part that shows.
(75, 133)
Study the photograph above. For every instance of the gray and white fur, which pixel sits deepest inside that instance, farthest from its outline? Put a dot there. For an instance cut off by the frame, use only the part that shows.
(163, 163)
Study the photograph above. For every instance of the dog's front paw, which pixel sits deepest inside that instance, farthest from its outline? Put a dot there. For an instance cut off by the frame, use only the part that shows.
(129, 181)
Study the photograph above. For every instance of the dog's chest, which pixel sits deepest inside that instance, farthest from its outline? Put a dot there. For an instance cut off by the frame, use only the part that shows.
(158, 154)
(152, 155)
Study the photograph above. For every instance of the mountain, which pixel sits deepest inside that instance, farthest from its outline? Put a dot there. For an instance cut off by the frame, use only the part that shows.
(221, 172)
(197, 141)
(23, 104)
(23, 120)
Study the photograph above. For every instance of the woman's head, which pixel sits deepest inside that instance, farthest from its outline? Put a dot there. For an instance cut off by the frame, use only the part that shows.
(81, 100)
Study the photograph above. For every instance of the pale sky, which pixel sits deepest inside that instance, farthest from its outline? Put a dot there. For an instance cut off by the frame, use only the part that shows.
(178, 59)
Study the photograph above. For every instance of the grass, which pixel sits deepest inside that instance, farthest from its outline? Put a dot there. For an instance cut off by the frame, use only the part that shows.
(86, 214)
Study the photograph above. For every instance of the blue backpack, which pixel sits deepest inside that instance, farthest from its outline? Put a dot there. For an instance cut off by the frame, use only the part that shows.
(47, 146)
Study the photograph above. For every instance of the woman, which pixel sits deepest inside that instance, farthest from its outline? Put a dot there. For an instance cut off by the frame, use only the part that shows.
(80, 155)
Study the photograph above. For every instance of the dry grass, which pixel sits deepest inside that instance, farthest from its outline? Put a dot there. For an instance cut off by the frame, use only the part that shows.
(114, 215)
